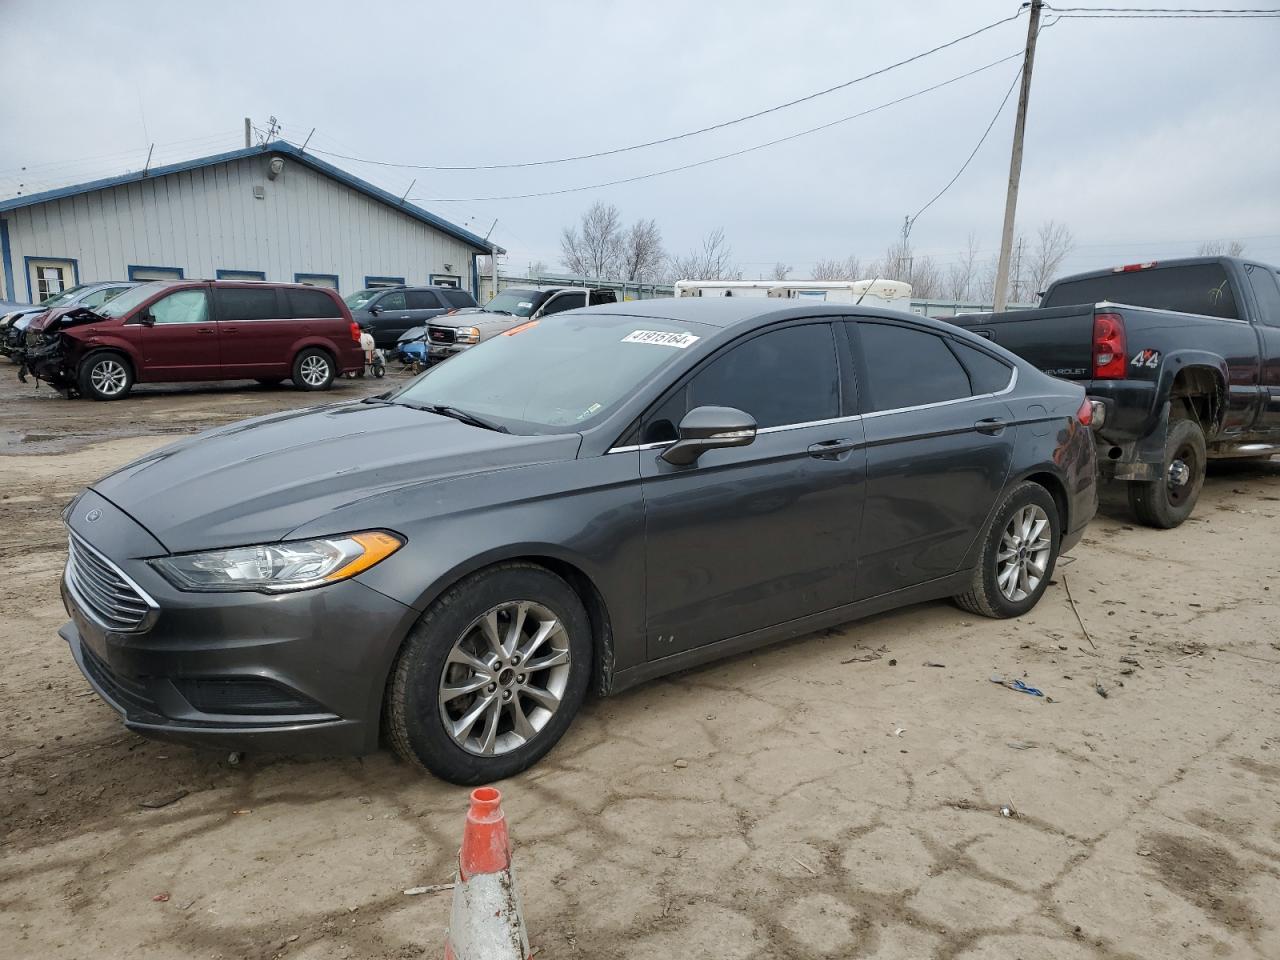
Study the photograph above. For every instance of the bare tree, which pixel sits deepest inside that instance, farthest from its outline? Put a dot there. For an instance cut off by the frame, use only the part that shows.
(714, 261)
(1221, 248)
(595, 251)
(831, 269)
(925, 278)
(962, 276)
(1053, 242)
(537, 269)
(781, 270)
(640, 253)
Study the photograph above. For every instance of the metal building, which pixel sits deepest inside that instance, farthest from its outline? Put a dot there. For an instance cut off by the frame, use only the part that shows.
(270, 212)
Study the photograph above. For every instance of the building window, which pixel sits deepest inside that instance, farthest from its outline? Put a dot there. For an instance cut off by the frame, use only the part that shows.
(49, 276)
(374, 282)
(137, 272)
(446, 280)
(329, 280)
(241, 275)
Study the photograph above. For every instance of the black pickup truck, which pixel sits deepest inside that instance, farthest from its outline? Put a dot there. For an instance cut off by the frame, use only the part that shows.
(1183, 357)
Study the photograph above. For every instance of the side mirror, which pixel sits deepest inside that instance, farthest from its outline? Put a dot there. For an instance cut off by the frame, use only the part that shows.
(375, 310)
(147, 318)
(710, 428)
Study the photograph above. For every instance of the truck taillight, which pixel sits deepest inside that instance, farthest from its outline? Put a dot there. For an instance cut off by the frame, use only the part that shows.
(1109, 349)
(355, 331)
(1134, 267)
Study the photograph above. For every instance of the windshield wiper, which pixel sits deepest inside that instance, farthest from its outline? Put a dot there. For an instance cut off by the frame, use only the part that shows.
(506, 313)
(447, 411)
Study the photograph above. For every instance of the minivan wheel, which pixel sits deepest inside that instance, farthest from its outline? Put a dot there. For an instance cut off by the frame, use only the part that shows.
(1019, 551)
(313, 369)
(105, 376)
(491, 676)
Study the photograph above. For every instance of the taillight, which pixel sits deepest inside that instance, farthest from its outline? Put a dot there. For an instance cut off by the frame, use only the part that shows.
(1134, 267)
(1085, 413)
(1109, 349)
(355, 331)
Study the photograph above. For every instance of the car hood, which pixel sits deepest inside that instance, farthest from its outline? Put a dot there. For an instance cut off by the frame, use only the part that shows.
(255, 481)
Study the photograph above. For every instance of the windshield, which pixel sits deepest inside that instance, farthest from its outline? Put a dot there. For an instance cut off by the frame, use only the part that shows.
(1200, 288)
(63, 298)
(555, 375)
(125, 303)
(358, 299)
(518, 303)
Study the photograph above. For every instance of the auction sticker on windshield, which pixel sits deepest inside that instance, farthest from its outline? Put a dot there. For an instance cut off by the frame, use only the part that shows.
(663, 339)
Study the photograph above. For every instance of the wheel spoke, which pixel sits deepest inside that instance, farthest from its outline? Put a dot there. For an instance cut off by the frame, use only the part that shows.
(454, 691)
(516, 630)
(489, 734)
(556, 659)
(520, 721)
(1023, 582)
(1038, 527)
(489, 627)
(1036, 566)
(545, 629)
(1005, 576)
(462, 727)
(458, 655)
(544, 697)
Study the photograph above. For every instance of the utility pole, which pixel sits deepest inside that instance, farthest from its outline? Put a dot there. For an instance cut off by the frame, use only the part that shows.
(1015, 161)
(248, 132)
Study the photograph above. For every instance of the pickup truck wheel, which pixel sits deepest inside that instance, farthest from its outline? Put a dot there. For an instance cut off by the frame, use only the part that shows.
(313, 369)
(1166, 502)
(1019, 551)
(491, 676)
(105, 376)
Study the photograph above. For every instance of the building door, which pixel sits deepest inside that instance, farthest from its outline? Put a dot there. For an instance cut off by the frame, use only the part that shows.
(49, 277)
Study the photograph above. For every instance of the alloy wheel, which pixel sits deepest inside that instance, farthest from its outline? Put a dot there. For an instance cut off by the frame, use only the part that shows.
(1023, 558)
(108, 377)
(314, 370)
(504, 678)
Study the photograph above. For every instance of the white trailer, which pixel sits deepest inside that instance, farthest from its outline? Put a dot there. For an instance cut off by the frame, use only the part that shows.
(871, 293)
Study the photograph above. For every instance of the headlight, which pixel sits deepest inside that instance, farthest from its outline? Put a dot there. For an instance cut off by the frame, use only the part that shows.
(279, 567)
(468, 335)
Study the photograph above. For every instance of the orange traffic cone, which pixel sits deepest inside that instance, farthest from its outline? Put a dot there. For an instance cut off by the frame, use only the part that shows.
(486, 923)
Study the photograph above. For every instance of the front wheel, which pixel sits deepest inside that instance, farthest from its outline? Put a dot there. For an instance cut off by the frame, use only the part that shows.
(491, 676)
(1019, 551)
(105, 376)
(1168, 500)
(313, 369)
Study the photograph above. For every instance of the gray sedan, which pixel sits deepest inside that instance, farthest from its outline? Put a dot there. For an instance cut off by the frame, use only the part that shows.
(592, 500)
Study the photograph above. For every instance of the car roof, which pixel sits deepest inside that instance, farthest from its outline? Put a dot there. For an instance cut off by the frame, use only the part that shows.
(750, 311)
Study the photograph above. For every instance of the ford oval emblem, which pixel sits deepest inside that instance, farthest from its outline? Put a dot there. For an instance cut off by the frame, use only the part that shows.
(93, 516)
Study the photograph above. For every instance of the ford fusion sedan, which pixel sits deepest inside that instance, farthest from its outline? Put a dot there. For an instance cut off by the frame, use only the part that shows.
(588, 501)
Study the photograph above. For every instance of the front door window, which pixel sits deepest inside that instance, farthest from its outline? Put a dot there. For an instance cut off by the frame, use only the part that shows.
(184, 306)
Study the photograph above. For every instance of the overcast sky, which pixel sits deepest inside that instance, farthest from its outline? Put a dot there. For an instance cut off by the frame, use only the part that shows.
(1145, 137)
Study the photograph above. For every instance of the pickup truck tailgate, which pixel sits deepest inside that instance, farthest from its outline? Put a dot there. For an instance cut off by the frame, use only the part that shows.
(1058, 340)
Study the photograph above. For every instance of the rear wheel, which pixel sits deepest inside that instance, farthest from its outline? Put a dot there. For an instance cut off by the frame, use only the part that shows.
(105, 376)
(313, 369)
(1019, 551)
(491, 676)
(1168, 500)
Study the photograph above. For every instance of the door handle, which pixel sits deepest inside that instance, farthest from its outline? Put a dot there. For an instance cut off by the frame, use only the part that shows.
(990, 426)
(229, 329)
(206, 331)
(831, 449)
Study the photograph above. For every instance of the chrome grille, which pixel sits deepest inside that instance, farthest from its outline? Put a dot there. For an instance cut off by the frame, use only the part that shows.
(441, 334)
(106, 594)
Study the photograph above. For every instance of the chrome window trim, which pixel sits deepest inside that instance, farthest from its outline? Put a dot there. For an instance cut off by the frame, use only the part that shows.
(1105, 304)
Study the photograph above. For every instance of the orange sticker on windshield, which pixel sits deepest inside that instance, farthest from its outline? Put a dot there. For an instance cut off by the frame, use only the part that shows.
(522, 328)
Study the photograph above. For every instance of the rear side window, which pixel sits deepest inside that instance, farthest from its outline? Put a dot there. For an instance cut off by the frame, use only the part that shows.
(1201, 288)
(458, 298)
(311, 304)
(986, 373)
(245, 303)
(565, 301)
(422, 300)
(603, 296)
(906, 367)
(1264, 286)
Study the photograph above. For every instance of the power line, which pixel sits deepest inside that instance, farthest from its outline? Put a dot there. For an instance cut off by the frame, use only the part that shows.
(973, 153)
(692, 133)
(724, 156)
(1195, 10)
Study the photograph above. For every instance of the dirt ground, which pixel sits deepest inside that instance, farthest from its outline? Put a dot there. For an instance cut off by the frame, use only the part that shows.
(836, 796)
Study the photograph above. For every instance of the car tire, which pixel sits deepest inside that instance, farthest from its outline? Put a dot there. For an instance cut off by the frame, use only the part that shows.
(105, 375)
(428, 727)
(1166, 502)
(313, 369)
(1005, 582)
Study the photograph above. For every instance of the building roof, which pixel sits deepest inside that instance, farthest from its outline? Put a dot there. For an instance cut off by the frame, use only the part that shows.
(275, 148)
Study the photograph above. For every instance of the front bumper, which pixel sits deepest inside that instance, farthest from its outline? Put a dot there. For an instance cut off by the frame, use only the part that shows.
(297, 673)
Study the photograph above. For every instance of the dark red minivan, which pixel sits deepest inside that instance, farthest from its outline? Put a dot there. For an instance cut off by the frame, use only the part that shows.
(198, 330)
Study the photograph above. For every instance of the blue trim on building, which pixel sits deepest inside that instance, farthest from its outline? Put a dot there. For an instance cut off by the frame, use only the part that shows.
(239, 274)
(370, 281)
(475, 277)
(26, 269)
(6, 259)
(143, 266)
(304, 277)
(275, 148)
